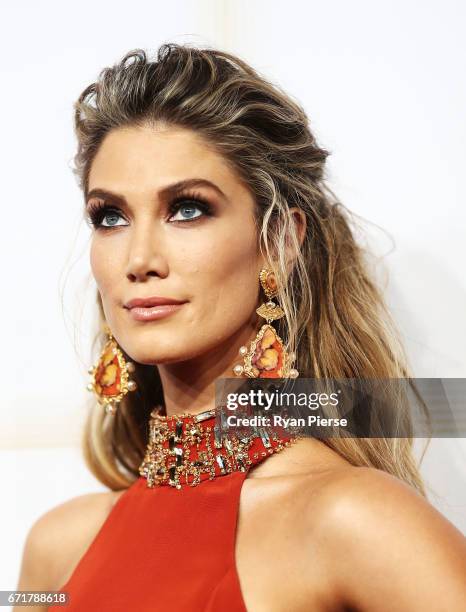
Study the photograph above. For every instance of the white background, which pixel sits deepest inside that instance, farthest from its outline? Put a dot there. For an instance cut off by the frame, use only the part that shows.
(383, 84)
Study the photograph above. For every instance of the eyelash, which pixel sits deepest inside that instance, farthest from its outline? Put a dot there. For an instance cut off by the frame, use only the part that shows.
(96, 212)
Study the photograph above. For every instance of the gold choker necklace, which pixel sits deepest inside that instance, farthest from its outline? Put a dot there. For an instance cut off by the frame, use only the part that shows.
(189, 448)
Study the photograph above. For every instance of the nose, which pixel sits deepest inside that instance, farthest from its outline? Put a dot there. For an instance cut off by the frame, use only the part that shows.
(145, 257)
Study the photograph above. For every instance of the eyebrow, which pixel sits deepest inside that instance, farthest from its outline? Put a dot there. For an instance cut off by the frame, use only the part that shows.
(168, 191)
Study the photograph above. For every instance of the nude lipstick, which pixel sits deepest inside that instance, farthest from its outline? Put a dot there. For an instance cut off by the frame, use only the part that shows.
(152, 308)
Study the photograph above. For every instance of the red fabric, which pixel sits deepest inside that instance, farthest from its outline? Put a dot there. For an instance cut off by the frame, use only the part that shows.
(167, 549)
(163, 549)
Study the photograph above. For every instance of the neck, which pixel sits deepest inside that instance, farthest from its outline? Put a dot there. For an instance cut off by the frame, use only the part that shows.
(189, 386)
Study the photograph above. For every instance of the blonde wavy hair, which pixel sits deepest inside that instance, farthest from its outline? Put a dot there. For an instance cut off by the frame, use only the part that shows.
(335, 320)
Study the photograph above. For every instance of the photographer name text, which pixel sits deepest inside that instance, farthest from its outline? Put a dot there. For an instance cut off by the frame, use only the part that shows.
(280, 421)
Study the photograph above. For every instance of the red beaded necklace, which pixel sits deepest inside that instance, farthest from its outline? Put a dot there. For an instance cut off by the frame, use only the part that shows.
(185, 449)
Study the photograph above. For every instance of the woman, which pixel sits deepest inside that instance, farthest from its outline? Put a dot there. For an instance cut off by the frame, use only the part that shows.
(205, 189)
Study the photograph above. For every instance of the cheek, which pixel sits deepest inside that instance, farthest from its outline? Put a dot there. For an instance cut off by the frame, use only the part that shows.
(224, 276)
(104, 265)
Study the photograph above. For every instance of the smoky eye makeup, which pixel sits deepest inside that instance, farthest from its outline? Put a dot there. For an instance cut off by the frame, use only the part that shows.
(185, 204)
(99, 214)
(185, 208)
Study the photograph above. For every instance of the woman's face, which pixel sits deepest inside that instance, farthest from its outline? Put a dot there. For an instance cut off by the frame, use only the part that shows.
(159, 238)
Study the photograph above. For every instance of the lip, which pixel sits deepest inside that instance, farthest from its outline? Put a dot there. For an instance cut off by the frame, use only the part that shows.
(151, 301)
(152, 308)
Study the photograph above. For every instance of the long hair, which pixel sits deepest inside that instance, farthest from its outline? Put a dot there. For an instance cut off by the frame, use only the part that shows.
(335, 320)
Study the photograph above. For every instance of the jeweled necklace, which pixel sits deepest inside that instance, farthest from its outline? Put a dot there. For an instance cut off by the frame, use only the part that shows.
(185, 449)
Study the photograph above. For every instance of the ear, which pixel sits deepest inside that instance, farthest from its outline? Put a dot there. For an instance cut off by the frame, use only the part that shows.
(300, 222)
(298, 217)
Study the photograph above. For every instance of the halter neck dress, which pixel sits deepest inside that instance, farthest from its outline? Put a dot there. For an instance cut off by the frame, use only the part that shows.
(167, 544)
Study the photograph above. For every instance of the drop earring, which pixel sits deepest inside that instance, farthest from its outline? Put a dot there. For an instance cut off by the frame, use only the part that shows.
(266, 356)
(109, 378)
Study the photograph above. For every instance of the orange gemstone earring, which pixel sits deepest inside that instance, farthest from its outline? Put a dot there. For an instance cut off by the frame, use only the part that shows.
(109, 378)
(267, 357)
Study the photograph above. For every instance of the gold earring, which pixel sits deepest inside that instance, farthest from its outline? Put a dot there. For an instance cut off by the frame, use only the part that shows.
(266, 356)
(109, 378)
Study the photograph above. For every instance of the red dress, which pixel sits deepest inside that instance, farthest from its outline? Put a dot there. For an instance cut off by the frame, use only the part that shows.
(171, 549)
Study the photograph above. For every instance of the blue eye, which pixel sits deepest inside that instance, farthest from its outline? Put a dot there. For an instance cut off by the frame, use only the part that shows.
(187, 207)
(189, 212)
(102, 215)
(112, 218)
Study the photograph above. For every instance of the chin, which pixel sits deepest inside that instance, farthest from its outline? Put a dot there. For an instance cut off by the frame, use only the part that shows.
(155, 360)
(150, 356)
(159, 346)
(153, 352)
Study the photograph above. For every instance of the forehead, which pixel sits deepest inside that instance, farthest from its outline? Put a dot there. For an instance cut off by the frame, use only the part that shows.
(136, 158)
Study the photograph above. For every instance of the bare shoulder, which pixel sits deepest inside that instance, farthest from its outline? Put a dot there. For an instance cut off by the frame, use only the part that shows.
(57, 539)
(384, 545)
